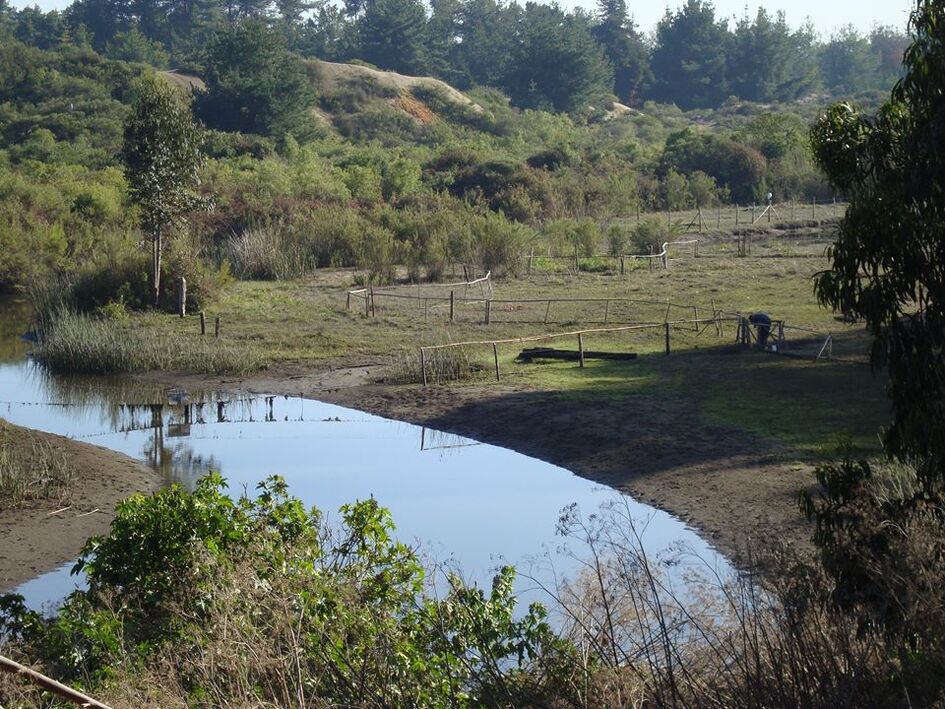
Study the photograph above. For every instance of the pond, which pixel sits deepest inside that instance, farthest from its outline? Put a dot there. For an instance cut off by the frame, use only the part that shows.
(471, 505)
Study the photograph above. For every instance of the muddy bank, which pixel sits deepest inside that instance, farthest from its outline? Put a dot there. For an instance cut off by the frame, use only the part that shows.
(735, 488)
(41, 535)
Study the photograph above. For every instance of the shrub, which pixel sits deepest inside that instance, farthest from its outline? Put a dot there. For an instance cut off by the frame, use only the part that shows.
(185, 583)
(649, 234)
(500, 245)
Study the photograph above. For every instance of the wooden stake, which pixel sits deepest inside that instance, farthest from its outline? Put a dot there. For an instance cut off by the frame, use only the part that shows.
(203, 323)
(666, 328)
(348, 301)
(547, 310)
(216, 327)
(488, 311)
(182, 297)
(580, 349)
(452, 304)
(495, 354)
(373, 304)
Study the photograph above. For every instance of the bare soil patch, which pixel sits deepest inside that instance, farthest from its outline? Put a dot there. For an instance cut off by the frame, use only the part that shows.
(43, 534)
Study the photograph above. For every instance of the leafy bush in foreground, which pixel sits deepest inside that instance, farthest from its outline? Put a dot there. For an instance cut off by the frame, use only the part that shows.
(262, 600)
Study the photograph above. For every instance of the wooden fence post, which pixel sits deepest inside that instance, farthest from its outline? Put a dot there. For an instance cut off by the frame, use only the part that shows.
(423, 366)
(666, 328)
(621, 265)
(547, 310)
(452, 304)
(495, 354)
(216, 327)
(580, 349)
(182, 297)
(488, 311)
(203, 323)
(373, 305)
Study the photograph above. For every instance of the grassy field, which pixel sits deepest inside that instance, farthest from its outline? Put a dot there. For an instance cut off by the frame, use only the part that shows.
(806, 404)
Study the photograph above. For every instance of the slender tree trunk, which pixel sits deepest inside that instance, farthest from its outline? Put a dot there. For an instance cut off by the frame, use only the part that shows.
(156, 267)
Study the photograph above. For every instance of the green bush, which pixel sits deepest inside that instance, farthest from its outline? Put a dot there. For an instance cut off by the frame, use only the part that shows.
(337, 615)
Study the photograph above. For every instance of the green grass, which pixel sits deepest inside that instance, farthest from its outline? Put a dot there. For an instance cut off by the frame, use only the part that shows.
(803, 404)
(92, 345)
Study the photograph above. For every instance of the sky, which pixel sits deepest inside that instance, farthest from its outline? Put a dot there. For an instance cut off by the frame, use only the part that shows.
(827, 15)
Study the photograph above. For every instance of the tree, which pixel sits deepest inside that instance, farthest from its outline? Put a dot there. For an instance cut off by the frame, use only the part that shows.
(486, 34)
(887, 262)
(162, 156)
(255, 85)
(847, 63)
(769, 62)
(391, 35)
(689, 60)
(624, 47)
(556, 63)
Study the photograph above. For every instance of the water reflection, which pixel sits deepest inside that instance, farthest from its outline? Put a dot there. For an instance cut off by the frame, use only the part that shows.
(472, 504)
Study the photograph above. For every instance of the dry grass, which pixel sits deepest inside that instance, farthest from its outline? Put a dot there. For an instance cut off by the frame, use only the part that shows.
(31, 469)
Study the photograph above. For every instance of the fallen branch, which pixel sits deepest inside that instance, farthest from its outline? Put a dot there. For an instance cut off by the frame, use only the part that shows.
(50, 685)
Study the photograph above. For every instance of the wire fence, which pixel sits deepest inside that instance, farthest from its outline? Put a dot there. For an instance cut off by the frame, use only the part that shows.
(774, 336)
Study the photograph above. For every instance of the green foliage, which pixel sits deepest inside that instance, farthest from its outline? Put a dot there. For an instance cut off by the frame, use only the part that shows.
(255, 85)
(688, 61)
(91, 344)
(498, 244)
(885, 263)
(185, 574)
(557, 64)
(162, 158)
(391, 33)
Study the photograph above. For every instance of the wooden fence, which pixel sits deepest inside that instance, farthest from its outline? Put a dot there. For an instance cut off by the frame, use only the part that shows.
(717, 320)
(746, 334)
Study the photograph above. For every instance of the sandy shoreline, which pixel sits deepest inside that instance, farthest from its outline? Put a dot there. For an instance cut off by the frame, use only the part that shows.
(37, 538)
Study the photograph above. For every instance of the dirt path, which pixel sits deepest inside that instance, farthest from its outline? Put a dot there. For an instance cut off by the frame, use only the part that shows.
(37, 538)
(735, 488)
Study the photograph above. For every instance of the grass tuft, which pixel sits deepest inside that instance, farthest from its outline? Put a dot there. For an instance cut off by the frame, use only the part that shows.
(83, 344)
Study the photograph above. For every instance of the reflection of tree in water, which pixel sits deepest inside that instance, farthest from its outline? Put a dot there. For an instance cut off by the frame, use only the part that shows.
(14, 322)
(176, 461)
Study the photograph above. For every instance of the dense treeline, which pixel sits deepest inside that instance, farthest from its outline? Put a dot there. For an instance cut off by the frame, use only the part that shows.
(540, 55)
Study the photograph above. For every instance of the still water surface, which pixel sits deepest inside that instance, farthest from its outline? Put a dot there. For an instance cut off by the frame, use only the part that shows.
(473, 505)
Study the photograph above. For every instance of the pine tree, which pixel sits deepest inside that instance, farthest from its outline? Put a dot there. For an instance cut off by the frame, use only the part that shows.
(689, 61)
(624, 47)
(391, 35)
(557, 64)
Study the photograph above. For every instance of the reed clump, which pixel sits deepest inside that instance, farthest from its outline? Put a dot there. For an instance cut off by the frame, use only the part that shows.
(31, 469)
(87, 344)
(449, 364)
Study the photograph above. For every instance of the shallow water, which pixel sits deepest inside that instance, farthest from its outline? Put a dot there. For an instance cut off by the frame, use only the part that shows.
(477, 506)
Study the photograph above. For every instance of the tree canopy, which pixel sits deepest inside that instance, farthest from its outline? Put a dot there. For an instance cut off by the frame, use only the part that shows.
(255, 85)
(887, 261)
(162, 156)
